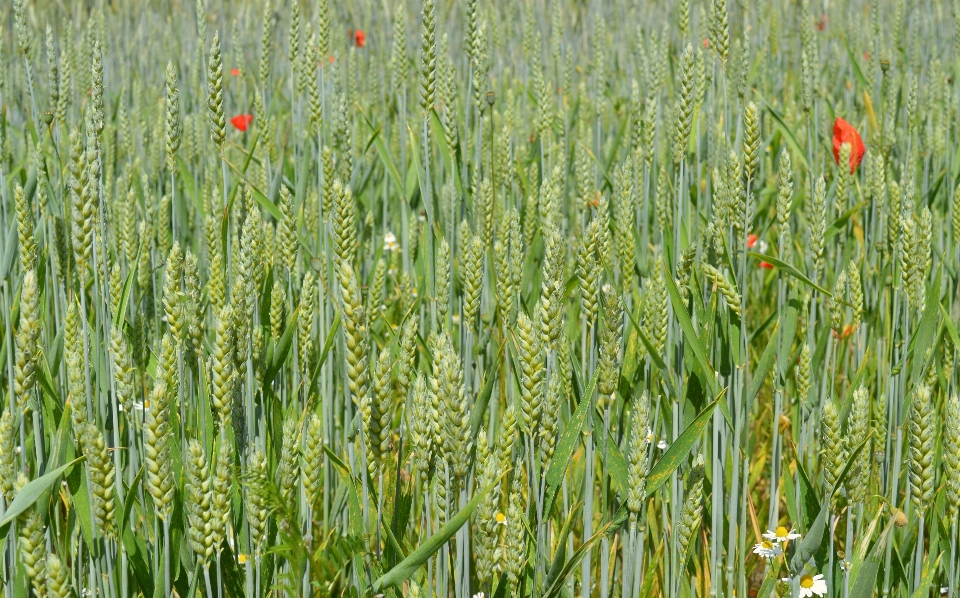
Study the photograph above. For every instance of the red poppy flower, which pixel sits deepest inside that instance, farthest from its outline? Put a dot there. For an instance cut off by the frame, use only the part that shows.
(766, 265)
(822, 23)
(706, 43)
(751, 241)
(359, 38)
(843, 132)
(242, 121)
(235, 72)
(331, 60)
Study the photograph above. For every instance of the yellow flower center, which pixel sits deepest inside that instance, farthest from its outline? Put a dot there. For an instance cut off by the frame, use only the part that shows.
(782, 532)
(501, 518)
(806, 581)
(767, 545)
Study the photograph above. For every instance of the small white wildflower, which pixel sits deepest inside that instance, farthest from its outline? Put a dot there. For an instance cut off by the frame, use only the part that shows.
(607, 288)
(479, 595)
(19, 449)
(390, 242)
(138, 406)
(767, 549)
(812, 585)
(781, 534)
(649, 436)
(662, 445)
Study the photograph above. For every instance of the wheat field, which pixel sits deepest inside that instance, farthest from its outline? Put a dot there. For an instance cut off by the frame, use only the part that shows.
(470, 299)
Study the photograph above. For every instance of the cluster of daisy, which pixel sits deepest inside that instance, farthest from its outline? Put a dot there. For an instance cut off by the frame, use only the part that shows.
(772, 547)
(390, 242)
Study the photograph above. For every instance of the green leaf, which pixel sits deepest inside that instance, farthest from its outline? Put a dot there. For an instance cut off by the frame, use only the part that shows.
(951, 327)
(282, 349)
(927, 331)
(561, 543)
(812, 543)
(414, 148)
(856, 67)
(384, 153)
(680, 312)
(356, 509)
(866, 568)
(565, 447)
(787, 334)
(133, 544)
(446, 152)
(119, 317)
(260, 197)
(763, 368)
(840, 224)
(929, 570)
(331, 336)
(657, 360)
(406, 568)
(130, 499)
(480, 405)
(681, 447)
(866, 582)
(798, 153)
(9, 250)
(808, 497)
(789, 269)
(616, 465)
(769, 583)
(29, 494)
(578, 555)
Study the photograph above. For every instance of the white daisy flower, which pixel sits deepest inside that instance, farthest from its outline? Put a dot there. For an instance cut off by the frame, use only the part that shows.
(781, 534)
(390, 242)
(767, 549)
(649, 436)
(662, 445)
(479, 595)
(812, 586)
